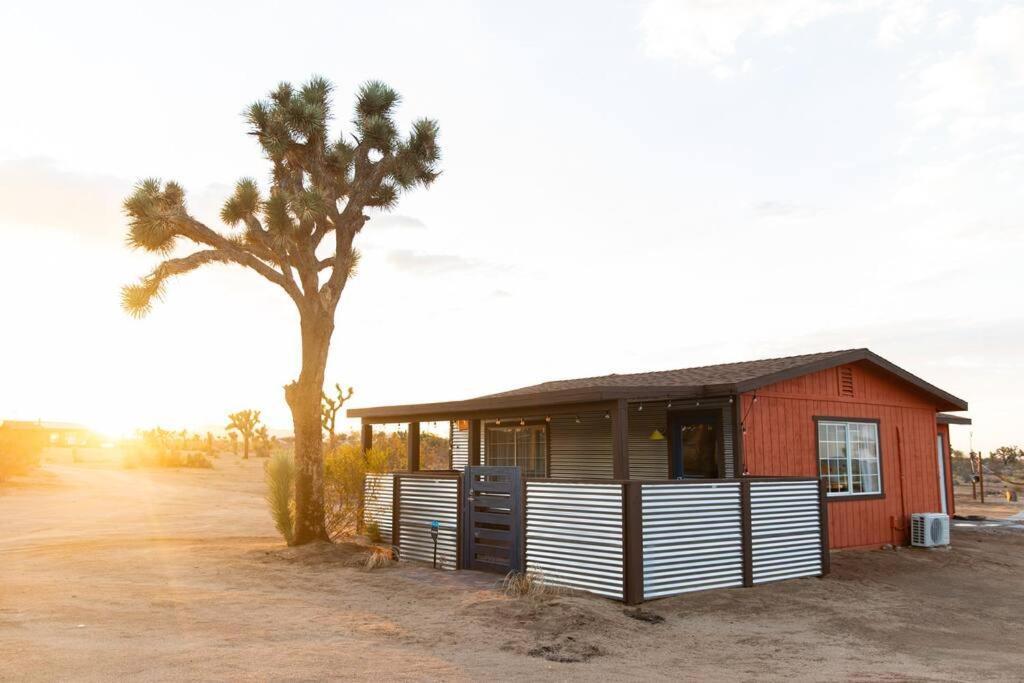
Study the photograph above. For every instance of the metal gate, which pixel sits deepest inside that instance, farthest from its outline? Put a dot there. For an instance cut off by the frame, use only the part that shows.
(493, 518)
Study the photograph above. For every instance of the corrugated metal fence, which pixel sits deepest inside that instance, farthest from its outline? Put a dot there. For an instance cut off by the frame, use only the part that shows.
(419, 500)
(377, 497)
(574, 535)
(634, 540)
(786, 529)
(693, 537)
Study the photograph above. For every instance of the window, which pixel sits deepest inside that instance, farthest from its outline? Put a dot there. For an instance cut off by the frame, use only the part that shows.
(523, 446)
(848, 457)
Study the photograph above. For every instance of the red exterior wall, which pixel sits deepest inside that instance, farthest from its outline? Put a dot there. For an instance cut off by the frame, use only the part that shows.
(781, 440)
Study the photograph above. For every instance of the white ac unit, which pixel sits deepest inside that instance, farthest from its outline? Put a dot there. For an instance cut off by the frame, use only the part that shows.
(929, 529)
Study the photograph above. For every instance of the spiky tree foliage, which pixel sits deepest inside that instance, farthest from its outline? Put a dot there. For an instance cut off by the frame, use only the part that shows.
(329, 408)
(245, 422)
(298, 235)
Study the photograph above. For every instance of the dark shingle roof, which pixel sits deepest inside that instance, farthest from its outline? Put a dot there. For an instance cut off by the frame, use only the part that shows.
(725, 373)
(710, 380)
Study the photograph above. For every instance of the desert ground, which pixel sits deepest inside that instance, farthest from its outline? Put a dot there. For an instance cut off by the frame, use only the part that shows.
(178, 574)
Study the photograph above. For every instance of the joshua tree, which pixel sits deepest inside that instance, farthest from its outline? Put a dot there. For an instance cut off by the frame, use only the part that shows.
(262, 442)
(320, 190)
(245, 423)
(234, 442)
(329, 408)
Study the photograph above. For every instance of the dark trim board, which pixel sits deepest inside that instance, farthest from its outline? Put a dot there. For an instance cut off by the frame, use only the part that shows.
(881, 461)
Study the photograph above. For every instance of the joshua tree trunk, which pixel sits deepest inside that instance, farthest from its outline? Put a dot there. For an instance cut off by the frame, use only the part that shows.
(303, 396)
(245, 446)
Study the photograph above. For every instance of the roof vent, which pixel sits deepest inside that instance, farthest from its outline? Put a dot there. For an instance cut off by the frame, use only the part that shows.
(846, 381)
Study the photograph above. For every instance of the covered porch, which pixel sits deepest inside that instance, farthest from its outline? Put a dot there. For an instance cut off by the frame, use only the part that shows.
(618, 435)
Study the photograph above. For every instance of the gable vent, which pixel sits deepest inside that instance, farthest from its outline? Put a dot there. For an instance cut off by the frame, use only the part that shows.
(846, 381)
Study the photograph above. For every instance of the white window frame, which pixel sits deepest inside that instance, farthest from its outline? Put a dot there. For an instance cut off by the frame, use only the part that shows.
(846, 423)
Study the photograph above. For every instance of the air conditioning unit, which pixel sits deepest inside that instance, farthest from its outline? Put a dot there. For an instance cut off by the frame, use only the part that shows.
(929, 529)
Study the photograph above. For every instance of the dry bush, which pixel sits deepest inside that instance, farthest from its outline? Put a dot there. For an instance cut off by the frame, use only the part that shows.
(526, 585)
(380, 557)
(345, 470)
(19, 452)
(279, 473)
(162, 448)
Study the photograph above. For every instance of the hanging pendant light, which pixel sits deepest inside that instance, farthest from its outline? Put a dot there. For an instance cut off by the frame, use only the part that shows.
(656, 435)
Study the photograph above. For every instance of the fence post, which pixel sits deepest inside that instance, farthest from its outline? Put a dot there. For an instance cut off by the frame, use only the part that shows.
(746, 534)
(826, 561)
(632, 543)
(396, 513)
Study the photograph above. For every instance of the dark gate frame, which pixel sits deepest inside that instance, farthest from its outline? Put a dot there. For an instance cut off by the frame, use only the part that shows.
(517, 513)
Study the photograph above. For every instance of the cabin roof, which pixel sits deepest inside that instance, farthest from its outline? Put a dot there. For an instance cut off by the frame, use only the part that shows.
(709, 380)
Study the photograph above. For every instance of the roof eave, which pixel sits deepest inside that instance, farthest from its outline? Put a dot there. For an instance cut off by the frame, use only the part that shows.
(554, 400)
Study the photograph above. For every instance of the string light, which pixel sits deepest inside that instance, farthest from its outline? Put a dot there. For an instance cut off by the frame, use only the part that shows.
(670, 404)
(607, 415)
(547, 418)
(698, 403)
(730, 399)
(640, 409)
(577, 419)
(522, 422)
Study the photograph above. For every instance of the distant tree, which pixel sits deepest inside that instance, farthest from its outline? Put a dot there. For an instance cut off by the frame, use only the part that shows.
(1007, 455)
(319, 188)
(262, 442)
(329, 408)
(245, 422)
(957, 455)
(209, 444)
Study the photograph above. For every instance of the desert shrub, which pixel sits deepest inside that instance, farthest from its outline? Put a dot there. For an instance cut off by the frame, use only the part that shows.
(345, 470)
(19, 452)
(380, 557)
(162, 448)
(279, 473)
(525, 585)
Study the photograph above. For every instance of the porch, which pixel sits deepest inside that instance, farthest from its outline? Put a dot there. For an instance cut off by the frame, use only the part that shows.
(628, 438)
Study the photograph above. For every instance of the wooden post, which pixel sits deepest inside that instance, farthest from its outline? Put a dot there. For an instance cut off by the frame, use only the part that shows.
(620, 440)
(367, 438)
(474, 443)
(826, 557)
(413, 446)
(632, 543)
(981, 478)
(396, 514)
(746, 536)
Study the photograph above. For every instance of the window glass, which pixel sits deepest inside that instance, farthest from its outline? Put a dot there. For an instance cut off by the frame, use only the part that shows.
(522, 446)
(848, 457)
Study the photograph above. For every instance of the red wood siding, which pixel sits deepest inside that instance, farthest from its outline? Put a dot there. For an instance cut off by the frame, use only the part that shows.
(780, 440)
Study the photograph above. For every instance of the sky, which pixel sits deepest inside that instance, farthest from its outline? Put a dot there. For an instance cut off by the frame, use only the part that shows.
(626, 186)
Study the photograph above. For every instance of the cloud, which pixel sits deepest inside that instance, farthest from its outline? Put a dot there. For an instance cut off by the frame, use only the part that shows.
(974, 90)
(779, 209)
(429, 264)
(705, 33)
(34, 193)
(395, 221)
(903, 20)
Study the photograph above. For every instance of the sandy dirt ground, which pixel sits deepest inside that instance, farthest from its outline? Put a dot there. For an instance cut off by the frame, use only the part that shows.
(176, 574)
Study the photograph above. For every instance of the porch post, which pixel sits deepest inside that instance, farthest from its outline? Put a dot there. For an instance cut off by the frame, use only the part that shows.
(367, 437)
(474, 443)
(413, 446)
(620, 439)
